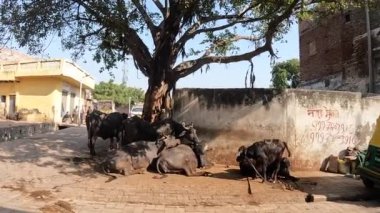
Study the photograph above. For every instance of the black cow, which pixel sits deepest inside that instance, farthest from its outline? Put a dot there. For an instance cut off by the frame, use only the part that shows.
(260, 155)
(179, 130)
(135, 157)
(181, 158)
(284, 171)
(246, 169)
(103, 125)
(137, 129)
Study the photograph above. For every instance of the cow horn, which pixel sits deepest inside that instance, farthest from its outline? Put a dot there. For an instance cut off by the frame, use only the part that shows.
(185, 126)
(162, 138)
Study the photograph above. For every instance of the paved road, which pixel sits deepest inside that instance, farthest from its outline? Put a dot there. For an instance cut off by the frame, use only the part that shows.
(53, 172)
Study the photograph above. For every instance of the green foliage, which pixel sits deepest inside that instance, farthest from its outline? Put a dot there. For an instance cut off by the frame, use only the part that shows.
(157, 33)
(286, 74)
(118, 93)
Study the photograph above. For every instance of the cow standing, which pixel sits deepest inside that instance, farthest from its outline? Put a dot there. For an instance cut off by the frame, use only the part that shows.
(103, 125)
(135, 129)
(262, 154)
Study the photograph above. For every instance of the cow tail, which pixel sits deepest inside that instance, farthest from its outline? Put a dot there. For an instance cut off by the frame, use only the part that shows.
(287, 148)
(158, 168)
(111, 177)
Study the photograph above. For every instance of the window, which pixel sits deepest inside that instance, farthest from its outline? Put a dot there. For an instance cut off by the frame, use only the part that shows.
(3, 99)
(347, 17)
(312, 48)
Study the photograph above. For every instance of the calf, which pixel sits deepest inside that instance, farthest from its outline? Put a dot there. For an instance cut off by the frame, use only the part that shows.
(181, 158)
(262, 154)
(103, 125)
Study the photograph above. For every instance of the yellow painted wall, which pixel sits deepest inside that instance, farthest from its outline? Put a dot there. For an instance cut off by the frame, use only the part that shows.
(6, 88)
(42, 93)
(40, 85)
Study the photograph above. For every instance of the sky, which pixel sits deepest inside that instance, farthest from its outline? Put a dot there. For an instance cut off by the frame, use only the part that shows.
(218, 76)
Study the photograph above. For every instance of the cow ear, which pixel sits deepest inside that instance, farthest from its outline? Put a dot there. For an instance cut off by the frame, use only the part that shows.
(182, 133)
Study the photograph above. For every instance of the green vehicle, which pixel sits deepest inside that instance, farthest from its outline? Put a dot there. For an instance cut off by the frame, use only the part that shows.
(369, 170)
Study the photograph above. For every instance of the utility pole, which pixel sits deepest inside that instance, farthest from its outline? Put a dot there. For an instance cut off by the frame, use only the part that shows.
(369, 49)
(80, 98)
(129, 105)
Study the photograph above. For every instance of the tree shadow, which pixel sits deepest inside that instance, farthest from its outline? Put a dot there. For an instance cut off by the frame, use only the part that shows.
(9, 210)
(336, 187)
(64, 150)
(318, 185)
(228, 174)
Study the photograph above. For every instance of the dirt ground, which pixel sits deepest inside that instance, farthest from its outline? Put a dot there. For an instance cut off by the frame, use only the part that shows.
(55, 169)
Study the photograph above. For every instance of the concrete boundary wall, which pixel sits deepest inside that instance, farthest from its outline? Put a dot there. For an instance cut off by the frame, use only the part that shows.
(314, 123)
(24, 130)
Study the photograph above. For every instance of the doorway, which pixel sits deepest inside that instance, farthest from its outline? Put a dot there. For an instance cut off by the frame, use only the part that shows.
(12, 105)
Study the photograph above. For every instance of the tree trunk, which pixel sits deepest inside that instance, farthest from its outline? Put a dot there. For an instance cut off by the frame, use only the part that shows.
(157, 102)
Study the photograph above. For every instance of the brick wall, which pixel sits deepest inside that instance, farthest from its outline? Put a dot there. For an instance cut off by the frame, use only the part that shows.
(327, 57)
(340, 48)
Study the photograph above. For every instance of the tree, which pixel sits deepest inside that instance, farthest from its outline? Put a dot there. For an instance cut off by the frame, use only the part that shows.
(118, 93)
(286, 74)
(156, 33)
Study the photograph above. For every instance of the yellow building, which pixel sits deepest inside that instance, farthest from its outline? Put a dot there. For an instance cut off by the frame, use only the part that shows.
(43, 90)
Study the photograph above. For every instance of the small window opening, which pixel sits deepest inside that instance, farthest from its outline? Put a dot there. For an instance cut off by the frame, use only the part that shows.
(347, 17)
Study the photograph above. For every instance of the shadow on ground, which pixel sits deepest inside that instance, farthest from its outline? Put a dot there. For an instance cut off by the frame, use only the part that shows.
(66, 153)
(65, 150)
(320, 185)
(6, 210)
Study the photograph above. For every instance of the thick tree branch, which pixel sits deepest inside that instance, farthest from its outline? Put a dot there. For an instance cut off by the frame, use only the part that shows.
(148, 21)
(233, 39)
(191, 66)
(273, 25)
(192, 32)
(188, 67)
(160, 7)
(135, 45)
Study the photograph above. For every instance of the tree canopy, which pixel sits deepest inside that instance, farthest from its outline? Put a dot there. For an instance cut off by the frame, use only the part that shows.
(119, 93)
(286, 74)
(167, 39)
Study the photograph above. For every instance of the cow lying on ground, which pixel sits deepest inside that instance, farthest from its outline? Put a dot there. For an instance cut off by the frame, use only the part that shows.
(262, 154)
(181, 158)
(103, 125)
(135, 157)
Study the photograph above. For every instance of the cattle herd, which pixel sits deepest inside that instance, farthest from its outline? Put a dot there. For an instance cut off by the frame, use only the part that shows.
(167, 146)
